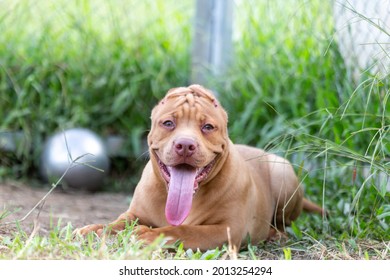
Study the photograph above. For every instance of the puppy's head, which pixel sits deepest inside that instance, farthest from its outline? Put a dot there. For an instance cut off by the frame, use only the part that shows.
(187, 141)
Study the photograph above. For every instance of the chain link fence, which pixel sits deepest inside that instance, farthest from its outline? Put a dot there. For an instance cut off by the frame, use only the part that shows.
(363, 35)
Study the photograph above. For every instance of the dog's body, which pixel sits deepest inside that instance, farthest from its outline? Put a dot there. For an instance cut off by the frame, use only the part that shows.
(203, 190)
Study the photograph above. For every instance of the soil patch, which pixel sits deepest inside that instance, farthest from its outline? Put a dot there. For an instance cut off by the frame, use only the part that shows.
(65, 207)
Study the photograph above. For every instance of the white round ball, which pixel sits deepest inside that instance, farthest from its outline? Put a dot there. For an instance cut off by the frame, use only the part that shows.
(78, 148)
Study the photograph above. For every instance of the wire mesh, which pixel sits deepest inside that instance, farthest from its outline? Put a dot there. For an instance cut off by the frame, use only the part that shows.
(363, 36)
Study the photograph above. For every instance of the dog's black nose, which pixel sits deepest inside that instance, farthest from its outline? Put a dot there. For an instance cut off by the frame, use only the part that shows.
(185, 147)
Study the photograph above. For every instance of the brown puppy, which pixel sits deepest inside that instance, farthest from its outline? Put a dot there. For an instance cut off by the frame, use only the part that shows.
(200, 188)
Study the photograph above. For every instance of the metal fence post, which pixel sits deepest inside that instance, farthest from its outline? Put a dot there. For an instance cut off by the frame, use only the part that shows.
(212, 41)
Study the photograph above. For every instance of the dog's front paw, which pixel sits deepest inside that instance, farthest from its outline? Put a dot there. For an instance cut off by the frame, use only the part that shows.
(149, 235)
(146, 234)
(98, 228)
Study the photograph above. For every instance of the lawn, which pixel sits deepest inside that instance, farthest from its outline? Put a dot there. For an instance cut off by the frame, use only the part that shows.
(102, 65)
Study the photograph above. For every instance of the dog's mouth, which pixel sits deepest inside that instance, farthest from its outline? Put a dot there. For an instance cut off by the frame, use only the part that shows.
(182, 183)
(200, 173)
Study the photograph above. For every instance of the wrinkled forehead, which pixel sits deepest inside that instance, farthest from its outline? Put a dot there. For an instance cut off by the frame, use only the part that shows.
(191, 94)
(193, 101)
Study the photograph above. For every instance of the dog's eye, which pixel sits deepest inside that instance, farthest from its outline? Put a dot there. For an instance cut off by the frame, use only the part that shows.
(169, 124)
(207, 128)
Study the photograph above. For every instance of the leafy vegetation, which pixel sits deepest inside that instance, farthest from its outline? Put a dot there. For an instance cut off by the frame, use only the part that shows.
(103, 65)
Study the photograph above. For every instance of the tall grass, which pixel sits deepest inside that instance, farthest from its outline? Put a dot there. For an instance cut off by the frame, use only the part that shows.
(97, 64)
(104, 64)
(288, 92)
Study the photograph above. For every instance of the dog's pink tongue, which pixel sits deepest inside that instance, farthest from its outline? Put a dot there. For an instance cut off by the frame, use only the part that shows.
(180, 192)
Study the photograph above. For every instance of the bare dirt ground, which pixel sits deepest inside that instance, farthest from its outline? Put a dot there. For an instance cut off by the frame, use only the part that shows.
(75, 207)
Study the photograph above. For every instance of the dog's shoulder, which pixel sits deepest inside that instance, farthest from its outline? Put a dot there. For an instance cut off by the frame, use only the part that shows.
(248, 152)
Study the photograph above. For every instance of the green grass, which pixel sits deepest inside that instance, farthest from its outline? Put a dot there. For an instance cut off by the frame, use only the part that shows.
(59, 243)
(93, 63)
(104, 66)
